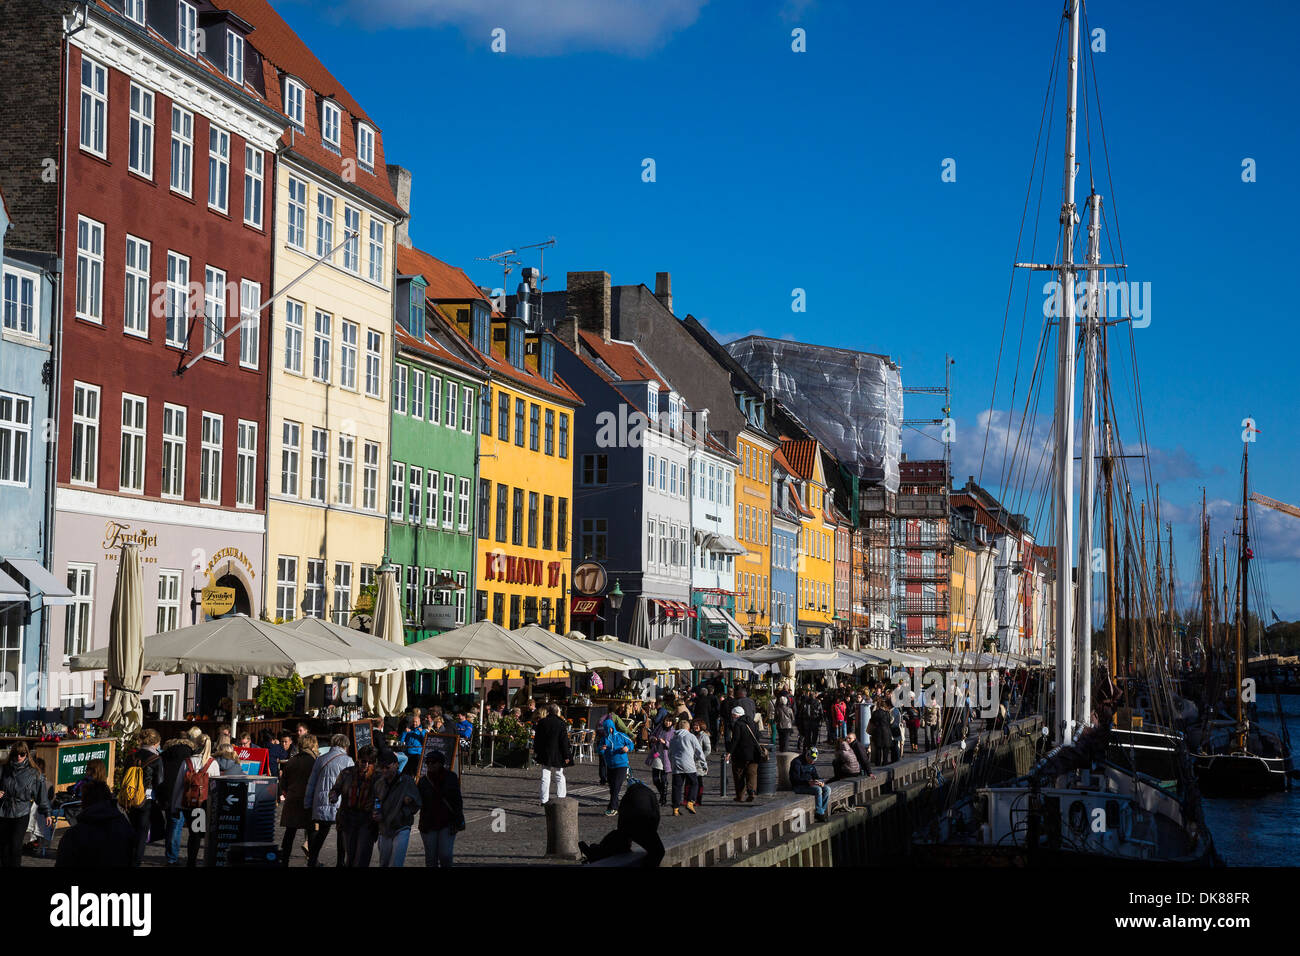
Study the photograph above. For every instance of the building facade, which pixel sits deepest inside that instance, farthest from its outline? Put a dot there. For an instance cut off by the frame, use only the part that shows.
(816, 591)
(714, 546)
(785, 543)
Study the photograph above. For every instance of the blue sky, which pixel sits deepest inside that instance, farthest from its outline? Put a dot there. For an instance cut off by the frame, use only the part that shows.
(820, 170)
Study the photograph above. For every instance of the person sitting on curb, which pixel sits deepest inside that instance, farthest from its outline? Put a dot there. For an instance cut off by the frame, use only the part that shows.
(638, 822)
(804, 779)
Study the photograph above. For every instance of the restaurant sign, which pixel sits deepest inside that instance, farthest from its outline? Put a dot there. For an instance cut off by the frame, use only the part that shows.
(589, 578)
(215, 600)
(586, 607)
(74, 757)
(499, 566)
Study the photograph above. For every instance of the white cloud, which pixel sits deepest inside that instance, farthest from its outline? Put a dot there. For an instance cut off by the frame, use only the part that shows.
(632, 27)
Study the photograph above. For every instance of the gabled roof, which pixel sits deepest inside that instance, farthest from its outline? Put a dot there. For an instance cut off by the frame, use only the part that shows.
(430, 348)
(625, 359)
(802, 457)
(283, 51)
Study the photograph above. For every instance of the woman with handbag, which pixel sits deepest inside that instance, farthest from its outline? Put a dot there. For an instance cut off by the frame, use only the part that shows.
(702, 766)
(659, 762)
(442, 811)
(746, 754)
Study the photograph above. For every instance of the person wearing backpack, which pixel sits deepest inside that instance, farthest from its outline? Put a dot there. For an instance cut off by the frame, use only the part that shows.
(354, 788)
(617, 747)
(197, 772)
(142, 783)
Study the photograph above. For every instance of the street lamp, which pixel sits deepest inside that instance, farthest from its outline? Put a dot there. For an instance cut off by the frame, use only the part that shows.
(616, 602)
(751, 615)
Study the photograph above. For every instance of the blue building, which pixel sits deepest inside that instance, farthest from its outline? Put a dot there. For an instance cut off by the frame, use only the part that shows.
(27, 293)
(786, 515)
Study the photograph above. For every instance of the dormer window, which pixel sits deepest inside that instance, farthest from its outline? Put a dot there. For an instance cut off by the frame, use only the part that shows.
(416, 326)
(235, 57)
(365, 146)
(295, 96)
(546, 360)
(481, 329)
(330, 119)
(187, 29)
(674, 414)
(516, 345)
(135, 11)
(652, 403)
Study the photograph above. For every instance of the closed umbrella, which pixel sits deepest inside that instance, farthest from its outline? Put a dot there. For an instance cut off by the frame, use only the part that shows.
(386, 693)
(788, 641)
(640, 632)
(125, 671)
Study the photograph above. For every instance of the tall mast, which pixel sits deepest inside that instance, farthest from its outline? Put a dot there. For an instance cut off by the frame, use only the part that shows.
(1108, 479)
(1065, 355)
(1207, 596)
(1243, 588)
(1083, 695)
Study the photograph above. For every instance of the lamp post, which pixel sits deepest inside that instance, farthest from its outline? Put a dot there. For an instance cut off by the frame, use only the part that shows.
(616, 602)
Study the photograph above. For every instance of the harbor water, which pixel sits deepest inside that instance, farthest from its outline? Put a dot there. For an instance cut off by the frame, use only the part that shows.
(1264, 830)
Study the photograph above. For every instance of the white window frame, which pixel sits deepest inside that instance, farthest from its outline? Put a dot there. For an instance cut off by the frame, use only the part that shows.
(325, 206)
(135, 11)
(140, 141)
(211, 441)
(331, 121)
(366, 146)
(376, 252)
(370, 476)
(342, 593)
(182, 177)
(414, 495)
(352, 234)
(164, 704)
(400, 389)
(435, 400)
(187, 28)
(348, 335)
(290, 458)
(319, 475)
(218, 168)
(90, 270)
(296, 233)
(451, 404)
(374, 363)
(168, 615)
(246, 465)
(21, 302)
(177, 302)
(235, 57)
(448, 500)
(214, 313)
(295, 102)
(85, 434)
(254, 185)
(79, 623)
(466, 409)
(293, 333)
(397, 491)
(344, 489)
(15, 440)
(322, 348)
(173, 450)
(432, 482)
(314, 587)
(417, 394)
(250, 324)
(135, 300)
(137, 437)
(462, 513)
(286, 586)
(94, 108)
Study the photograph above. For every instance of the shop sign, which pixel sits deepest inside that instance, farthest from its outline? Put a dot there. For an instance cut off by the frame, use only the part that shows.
(74, 757)
(586, 607)
(215, 600)
(510, 569)
(589, 578)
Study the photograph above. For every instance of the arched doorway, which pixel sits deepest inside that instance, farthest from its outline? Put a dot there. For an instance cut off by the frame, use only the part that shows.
(243, 603)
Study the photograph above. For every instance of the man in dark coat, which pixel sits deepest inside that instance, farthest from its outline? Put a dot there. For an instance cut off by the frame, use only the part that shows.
(881, 733)
(168, 797)
(553, 751)
(638, 822)
(706, 709)
(864, 756)
(809, 717)
(102, 836)
(744, 751)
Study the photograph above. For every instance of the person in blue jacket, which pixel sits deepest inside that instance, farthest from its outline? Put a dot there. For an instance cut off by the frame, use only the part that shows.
(804, 779)
(618, 746)
(412, 742)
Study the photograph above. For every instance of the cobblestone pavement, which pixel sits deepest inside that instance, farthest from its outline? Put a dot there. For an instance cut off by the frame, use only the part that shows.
(506, 823)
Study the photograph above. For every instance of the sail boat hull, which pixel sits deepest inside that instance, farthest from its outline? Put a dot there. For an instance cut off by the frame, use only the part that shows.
(1241, 774)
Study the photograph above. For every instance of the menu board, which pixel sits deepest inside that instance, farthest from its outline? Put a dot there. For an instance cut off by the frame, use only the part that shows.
(362, 735)
(240, 810)
(447, 744)
(254, 760)
(72, 759)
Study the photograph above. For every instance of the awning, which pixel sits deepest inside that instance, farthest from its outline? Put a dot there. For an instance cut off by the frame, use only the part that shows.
(725, 544)
(674, 609)
(719, 615)
(11, 592)
(40, 583)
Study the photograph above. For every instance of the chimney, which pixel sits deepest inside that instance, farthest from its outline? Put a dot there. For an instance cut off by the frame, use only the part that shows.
(664, 289)
(399, 177)
(587, 307)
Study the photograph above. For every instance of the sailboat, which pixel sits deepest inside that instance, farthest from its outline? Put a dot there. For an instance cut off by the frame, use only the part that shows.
(1235, 757)
(1076, 806)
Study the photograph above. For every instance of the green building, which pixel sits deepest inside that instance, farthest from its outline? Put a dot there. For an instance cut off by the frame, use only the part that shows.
(434, 474)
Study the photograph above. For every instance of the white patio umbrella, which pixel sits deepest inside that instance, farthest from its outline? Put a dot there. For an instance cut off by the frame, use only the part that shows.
(642, 658)
(386, 693)
(407, 658)
(125, 671)
(578, 655)
(701, 656)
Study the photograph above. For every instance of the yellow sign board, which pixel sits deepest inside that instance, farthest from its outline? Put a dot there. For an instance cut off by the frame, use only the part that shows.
(217, 601)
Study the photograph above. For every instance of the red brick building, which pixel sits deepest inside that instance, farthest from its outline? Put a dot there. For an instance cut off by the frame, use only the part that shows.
(162, 213)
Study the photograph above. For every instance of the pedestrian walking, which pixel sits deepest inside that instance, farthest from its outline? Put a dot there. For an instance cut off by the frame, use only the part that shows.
(685, 753)
(295, 811)
(784, 719)
(442, 811)
(323, 807)
(745, 754)
(397, 800)
(141, 781)
(553, 751)
(168, 799)
(810, 718)
(22, 786)
(617, 748)
(658, 760)
(880, 733)
(198, 770)
(701, 732)
(354, 789)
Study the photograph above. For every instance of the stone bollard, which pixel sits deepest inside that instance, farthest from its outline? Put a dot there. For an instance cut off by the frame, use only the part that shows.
(783, 771)
(562, 828)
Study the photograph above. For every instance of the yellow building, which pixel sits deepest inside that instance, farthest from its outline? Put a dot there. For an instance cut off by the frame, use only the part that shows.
(816, 569)
(754, 527)
(964, 587)
(331, 341)
(525, 468)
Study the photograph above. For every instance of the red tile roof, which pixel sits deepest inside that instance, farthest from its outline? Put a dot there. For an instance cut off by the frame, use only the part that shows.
(801, 456)
(283, 50)
(626, 360)
(778, 457)
(435, 350)
(447, 283)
